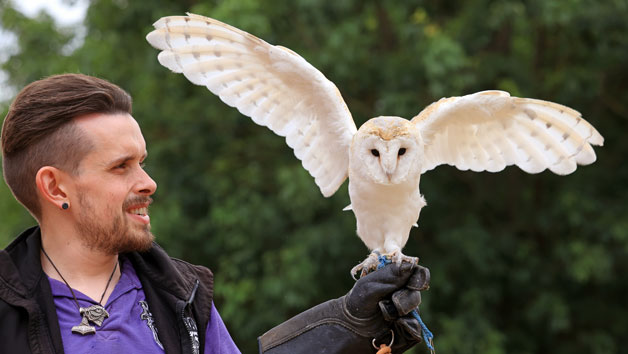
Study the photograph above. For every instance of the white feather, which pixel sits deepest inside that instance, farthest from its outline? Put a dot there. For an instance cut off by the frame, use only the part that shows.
(532, 134)
(273, 85)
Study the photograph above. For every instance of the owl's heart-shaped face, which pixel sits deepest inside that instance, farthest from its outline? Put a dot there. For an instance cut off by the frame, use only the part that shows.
(387, 150)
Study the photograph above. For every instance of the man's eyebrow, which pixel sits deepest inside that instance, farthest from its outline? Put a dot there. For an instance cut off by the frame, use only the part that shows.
(127, 158)
(121, 159)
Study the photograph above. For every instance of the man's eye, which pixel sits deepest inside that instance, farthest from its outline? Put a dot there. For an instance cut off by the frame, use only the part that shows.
(121, 166)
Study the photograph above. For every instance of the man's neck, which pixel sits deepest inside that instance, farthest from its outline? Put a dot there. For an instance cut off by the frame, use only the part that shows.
(84, 269)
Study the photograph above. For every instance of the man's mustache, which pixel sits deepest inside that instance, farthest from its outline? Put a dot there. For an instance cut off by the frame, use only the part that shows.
(136, 201)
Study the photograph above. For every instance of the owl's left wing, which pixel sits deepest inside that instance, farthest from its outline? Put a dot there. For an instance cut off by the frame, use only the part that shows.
(490, 130)
(274, 86)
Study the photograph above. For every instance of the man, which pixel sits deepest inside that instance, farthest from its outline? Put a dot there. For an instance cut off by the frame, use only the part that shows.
(90, 279)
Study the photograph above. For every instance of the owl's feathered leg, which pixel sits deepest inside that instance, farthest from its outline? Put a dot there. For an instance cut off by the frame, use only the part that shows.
(393, 252)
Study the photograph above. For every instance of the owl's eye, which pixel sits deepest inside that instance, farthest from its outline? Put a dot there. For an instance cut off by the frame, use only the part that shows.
(401, 151)
(375, 152)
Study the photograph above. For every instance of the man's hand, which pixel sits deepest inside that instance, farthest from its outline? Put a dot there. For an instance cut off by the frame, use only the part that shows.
(378, 303)
(392, 292)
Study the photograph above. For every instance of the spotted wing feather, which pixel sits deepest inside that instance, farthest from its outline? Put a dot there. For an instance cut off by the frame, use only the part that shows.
(274, 86)
(490, 130)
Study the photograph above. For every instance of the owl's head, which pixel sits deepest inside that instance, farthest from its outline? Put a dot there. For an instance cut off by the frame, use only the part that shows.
(387, 150)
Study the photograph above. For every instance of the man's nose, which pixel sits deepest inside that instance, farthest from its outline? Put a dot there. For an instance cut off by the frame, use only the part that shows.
(147, 185)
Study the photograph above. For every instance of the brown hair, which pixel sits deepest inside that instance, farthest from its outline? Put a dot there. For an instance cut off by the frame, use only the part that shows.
(39, 131)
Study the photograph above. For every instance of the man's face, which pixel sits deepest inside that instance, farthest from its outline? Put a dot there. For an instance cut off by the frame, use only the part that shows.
(112, 191)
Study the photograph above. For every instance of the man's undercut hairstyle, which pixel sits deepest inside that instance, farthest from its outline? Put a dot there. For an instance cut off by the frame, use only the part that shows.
(39, 129)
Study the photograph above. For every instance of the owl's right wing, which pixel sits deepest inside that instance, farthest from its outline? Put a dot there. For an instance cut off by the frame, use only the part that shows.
(490, 130)
(274, 86)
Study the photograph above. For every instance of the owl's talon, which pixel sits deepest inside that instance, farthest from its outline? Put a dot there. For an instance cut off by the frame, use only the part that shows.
(397, 257)
(368, 265)
(372, 262)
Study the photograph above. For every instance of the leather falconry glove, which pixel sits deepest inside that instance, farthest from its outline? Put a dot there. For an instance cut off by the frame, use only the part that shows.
(378, 305)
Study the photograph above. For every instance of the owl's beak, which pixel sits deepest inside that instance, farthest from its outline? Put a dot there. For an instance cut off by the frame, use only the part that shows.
(389, 166)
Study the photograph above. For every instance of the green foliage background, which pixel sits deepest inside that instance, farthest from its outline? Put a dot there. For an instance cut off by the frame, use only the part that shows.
(520, 263)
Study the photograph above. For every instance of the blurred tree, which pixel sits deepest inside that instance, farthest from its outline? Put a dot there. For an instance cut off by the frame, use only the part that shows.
(520, 263)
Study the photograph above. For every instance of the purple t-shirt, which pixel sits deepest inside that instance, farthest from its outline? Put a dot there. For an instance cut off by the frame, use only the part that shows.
(127, 328)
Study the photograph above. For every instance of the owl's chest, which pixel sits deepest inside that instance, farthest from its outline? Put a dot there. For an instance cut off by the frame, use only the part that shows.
(372, 200)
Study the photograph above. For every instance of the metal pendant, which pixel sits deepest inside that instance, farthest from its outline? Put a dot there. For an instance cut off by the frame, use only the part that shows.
(95, 314)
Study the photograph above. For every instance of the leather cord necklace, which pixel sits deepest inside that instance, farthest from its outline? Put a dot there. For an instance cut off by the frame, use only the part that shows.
(94, 313)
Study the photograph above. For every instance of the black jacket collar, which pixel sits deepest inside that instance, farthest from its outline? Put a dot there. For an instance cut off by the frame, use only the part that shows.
(20, 265)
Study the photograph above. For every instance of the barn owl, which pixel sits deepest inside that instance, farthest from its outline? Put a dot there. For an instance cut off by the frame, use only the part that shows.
(385, 158)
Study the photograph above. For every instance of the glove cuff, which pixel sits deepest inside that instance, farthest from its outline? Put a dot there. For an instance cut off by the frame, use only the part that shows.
(329, 328)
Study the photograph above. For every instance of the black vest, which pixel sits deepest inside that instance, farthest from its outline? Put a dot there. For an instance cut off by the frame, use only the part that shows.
(179, 296)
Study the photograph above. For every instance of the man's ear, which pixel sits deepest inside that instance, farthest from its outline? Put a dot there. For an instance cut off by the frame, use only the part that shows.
(52, 185)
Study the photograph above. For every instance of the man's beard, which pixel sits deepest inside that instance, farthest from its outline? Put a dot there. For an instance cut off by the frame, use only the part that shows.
(115, 236)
